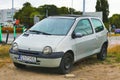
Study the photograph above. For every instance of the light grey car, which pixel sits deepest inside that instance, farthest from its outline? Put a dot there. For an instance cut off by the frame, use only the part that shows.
(60, 41)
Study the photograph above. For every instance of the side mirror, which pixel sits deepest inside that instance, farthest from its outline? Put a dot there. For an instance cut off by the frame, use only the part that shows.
(77, 35)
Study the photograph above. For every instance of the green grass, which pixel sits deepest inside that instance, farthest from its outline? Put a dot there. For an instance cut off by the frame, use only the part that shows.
(113, 55)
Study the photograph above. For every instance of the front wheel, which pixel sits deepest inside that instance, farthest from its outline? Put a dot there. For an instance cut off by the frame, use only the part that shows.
(66, 63)
(103, 53)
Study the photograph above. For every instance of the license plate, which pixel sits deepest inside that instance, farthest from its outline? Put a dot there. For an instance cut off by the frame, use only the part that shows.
(27, 58)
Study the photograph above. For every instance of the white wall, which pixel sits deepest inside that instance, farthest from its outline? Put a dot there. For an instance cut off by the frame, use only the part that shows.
(95, 14)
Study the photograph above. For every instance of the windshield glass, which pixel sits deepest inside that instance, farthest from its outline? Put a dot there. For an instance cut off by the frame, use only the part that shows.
(54, 26)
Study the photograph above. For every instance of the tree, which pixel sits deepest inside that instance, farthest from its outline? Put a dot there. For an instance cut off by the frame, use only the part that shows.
(115, 19)
(26, 14)
(63, 10)
(48, 10)
(102, 5)
(71, 10)
(98, 5)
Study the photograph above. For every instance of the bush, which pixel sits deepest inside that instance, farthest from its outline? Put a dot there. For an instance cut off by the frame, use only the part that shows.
(10, 29)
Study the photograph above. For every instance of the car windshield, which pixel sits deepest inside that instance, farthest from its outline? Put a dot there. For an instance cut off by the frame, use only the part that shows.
(53, 26)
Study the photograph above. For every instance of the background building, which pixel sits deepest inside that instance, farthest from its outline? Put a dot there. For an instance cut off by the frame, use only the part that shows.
(6, 16)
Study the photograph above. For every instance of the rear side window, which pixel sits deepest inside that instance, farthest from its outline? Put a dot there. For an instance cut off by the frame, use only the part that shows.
(97, 25)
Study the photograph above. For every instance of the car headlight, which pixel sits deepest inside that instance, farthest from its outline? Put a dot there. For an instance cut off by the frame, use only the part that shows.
(47, 50)
(15, 46)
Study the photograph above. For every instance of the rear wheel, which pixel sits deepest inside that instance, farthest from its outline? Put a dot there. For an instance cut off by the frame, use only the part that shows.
(103, 53)
(19, 65)
(66, 63)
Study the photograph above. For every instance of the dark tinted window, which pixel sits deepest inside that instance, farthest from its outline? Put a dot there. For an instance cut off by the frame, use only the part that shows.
(97, 25)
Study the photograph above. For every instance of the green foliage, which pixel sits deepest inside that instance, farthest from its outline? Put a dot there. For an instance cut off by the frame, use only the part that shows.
(98, 5)
(102, 5)
(113, 54)
(113, 58)
(63, 10)
(115, 19)
(48, 10)
(27, 13)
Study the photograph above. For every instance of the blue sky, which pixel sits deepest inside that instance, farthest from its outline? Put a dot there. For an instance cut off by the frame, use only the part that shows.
(114, 5)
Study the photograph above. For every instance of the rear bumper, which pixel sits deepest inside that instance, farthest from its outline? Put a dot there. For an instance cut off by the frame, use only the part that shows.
(42, 60)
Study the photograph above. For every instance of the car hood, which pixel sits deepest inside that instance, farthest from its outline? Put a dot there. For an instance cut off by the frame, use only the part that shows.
(36, 42)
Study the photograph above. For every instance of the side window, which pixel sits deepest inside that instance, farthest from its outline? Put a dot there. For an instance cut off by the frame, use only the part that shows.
(97, 25)
(84, 27)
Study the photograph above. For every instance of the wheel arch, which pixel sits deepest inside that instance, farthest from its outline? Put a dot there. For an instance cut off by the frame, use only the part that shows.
(103, 52)
(72, 53)
(105, 43)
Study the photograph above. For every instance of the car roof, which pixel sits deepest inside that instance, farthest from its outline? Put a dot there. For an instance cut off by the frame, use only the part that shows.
(72, 16)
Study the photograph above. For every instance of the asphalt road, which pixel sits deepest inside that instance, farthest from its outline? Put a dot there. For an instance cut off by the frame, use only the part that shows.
(10, 38)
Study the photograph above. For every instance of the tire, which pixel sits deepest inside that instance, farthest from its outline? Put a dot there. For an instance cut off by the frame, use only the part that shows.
(103, 53)
(19, 65)
(66, 63)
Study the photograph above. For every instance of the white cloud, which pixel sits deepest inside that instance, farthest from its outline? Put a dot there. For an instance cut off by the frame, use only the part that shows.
(114, 7)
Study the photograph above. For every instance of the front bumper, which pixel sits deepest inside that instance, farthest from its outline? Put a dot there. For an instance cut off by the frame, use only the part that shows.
(42, 60)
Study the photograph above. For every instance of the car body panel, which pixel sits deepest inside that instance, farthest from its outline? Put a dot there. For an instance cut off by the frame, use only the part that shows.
(36, 42)
(81, 47)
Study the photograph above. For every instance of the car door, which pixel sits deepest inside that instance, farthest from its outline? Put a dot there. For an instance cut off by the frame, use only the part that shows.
(86, 44)
(101, 34)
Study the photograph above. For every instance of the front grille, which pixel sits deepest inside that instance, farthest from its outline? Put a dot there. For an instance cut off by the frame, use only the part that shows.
(37, 53)
(28, 52)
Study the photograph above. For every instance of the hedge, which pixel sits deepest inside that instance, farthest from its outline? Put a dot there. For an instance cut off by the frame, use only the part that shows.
(10, 29)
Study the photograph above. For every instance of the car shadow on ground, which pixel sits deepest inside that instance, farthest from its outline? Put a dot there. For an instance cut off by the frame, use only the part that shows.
(40, 70)
(54, 71)
(88, 61)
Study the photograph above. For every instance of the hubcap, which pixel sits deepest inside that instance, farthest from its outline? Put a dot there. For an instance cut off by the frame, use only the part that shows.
(104, 52)
(68, 62)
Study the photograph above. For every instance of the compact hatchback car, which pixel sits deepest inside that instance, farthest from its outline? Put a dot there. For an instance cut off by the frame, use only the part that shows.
(60, 41)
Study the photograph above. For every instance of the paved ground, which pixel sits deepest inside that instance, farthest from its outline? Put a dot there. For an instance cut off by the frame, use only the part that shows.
(10, 39)
(114, 40)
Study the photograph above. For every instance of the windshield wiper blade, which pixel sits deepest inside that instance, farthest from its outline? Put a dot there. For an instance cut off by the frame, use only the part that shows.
(35, 31)
(38, 32)
(46, 33)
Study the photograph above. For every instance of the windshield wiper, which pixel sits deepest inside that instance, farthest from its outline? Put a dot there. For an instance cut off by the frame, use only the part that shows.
(38, 32)
(46, 33)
